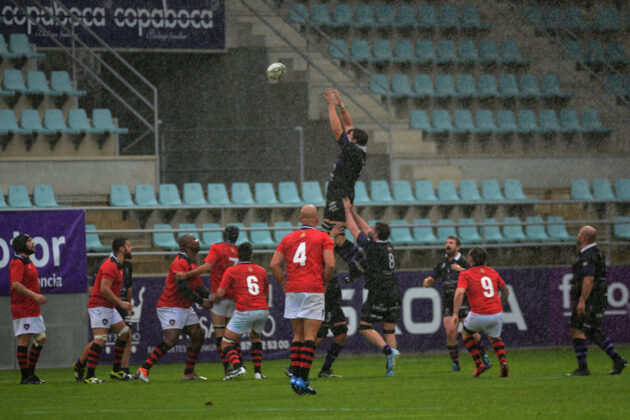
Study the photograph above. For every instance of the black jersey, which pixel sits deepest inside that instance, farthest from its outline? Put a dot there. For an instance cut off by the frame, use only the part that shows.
(333, 292)
(381, 264)
(127, 278)
(446, 275)
(590, 262)
(346, 170)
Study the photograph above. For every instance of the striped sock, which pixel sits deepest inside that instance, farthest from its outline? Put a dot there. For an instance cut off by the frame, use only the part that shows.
(257, 353)
(22, 358)
(308, 354)
(580, 348)
(332, 354)
(33, 357)
(473, 349)
(191, 359)
(296, 358)
(93, 356)
(499, 349)
(453, 351)
(232, 356)
(119, 349)
(608, 346)
(221, 353)
(158, 352)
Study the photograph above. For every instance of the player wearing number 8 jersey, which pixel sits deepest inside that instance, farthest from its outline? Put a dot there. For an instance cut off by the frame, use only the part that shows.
(310, 265)
(249, 285)
(482, 286)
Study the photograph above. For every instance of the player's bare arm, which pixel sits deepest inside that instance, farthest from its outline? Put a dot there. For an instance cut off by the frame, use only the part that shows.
(362, 224)
(352, 225)
(186, 291)
(343, 112)
(23, 290)
(204, 268)
(587, 287)
(428, 282)
(505, 292)
(457, 303)
(276, 268)
(106, 291)
(329, 266)
(333, 117)
(457, 267)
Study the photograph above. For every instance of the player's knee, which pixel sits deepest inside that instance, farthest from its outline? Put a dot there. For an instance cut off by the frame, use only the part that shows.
(100, 339)
(39, 339)
(338, 330)
(125, 333)
(365, 328)
(171, 341)
(392, 331)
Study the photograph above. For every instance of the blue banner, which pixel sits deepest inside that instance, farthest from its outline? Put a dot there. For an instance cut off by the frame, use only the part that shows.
(59, 238)
(122, 24)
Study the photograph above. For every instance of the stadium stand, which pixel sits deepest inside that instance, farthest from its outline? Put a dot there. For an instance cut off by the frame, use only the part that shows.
(92, 240)
(164, 240)
(209, 237)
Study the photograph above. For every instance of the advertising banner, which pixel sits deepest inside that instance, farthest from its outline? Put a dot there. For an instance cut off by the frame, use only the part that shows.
(122, 24)
(59, 238)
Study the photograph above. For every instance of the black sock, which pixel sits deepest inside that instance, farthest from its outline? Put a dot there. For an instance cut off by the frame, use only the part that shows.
(332, 354)
(387, 349)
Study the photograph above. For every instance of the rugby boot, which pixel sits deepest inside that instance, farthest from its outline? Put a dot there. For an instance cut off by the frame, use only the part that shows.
(193, 377)
(486, 360)
(143, 374)
(287, 371)
(327, 373)
(294, 387)
(78, 369)
(259, 375)
(455, 367)
(391, 362)
(479, 370)
(36, 380)
(618, 366)
(233, 374)
(579, 372)
(306, 387)
(93, 380)
(504, 371)
(120, 375)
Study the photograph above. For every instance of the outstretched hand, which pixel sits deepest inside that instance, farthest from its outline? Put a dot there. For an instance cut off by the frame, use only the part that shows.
(329, 96)
(347, 204)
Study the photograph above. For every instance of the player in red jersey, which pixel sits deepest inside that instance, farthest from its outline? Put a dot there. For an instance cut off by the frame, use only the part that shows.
(174, 309)
(310, 265)
(25, 308)
(221, 256)
(103, 314)
(482, 286)
(249, 285)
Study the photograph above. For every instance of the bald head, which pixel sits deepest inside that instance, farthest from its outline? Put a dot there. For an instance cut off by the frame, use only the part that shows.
(188, 243)
(308, 215)
(587, 235)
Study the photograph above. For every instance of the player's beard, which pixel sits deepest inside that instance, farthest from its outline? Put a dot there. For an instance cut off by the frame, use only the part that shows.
(449, 252)
(127, 255)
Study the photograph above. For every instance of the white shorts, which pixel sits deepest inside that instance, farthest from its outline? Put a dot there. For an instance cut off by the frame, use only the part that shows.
(225, 307)
(103, 317)
(489, 324)
(176, 318)
(304, 306)
(243, 322)
(29, 325)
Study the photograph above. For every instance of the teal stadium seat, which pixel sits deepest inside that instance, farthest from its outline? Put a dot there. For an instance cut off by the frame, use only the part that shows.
(320, 15)
(218, 195)
(424, 191)
(468, 190)
(363, 17)
(442, 122)
(242, 194)
(379, 85)
(621, 227)
(550, 88)
(607, 20)
(384, 16)
(467, 52)
(145, 195)
(243, 236)
(488, 52)
(261, 238)
(572, 51)
(444, 229)
(405, 17)
(3, 203)
(484, 120)
(528, 88)
(549, 122)
(338, 50)
(506, 123)
(427, 18)
(423, 87)
(4, 51)
(380, 192)
(264, 193)
(53, 120)
(18, 44)
(168, 195)
(192, 194)
(78, 120)
(491, 232)
(513, 190)
(278, 234)
(469, 19)
(93, 242)
(487, 87)
(510, 53)
(402, 192)
(602, 191)
(210, 237)
(423, 232)
(189, 229)
(341, 16)
(592, 124)
(537, 232)
(382, 51)
(120, 196)
(425, 52)
(29, 122)
(533, 16)
(419, 120)
(570, 122)
(468, 234)
(465, 86)
(13, 81)
(557, 230)
(288, 193)
(448, 20)
(491, 190)
(298, 13)
(446, 190)
(445, 51)
(463, 123)
(573, 20)
(164, 240)
(360, 51)
(401, 235)
(508, 88)
(102, 119)
(36, 82)
(615, 54)
(614, 84)
(401, 87)
(44, 196)
(527, 123)
(594, 53)
(551, 19)
(60, 82)
(444, 87)
(312, 193)
(360, 193)
(580, 190)
(403, 51)
(622, 189)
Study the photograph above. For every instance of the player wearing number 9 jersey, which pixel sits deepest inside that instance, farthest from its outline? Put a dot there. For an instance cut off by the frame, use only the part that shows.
(248, 284)
(482, 286)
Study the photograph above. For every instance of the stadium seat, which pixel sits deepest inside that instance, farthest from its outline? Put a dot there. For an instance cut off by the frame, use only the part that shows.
(379, 85)
(44, 196)
(53, 120)
(18, 44)
(615, 54)
(508, 88)
(533, 16)
(360, 51)
(261, 238)
(549, 122)
(3, 203)
(164, 240)
(192, 194)
(36, 82)
(537, 232)
(462, 122)
(363, 17)
(468, 190)
(506, 123)
(465, 86)
(448, 19)
(607, 20)
(621, 227)
(557, 230)
(4, 51)
(288, 193)
(573, 20)
(442, 122)
(264, 193)
(382, 51)
(243, 236)
(572, 51)
(570, 122)
(120, 196)
(550, 88)
(384, 16)
(380, 192)
(446, 190)
(190, 229)
(527, 123)
(484, 120)
(510, 53)
(491, 190)
(102, 119)
(614, 84)
(403, 51)
(602, 190)
(29, 122)
(210, 237)
(401, 87)
(622, 189)
(419, 120)
(242, 194)
(78, 120)
(423, 232)
(425, 52)
(338, 50)
(423, 87)
(60, 82)
(444, 87)
(320, 15)
(402, 193)
(488, 52)
(469, 19)
(528, 88)
(490, 232)
(278, 234)
(468, 234)
(12, 80)
(218, 195)
(401, 235)
(487, 87)
(93, 242)
(425, 191)
(444, 229)
(298, 13)
(145, 195)
(467, 52)
(168, 195)
(312, 193)
(593, 53)
(427, 18)
(551, 19)
(513, 190)
(341, 16)
(580, 190)
(360, 193)
(405, 17)
(592, 124)
(445, 51)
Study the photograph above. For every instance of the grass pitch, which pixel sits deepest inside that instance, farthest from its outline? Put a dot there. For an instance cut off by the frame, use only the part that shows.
(424, 387)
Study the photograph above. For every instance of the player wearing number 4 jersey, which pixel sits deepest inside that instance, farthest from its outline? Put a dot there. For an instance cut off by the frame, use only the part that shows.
(482, 286)
(310, 265)
(249, 285)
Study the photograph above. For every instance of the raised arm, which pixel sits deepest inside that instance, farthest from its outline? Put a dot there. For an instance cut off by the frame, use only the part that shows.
(343, 112)
(333, 117)
(350, 222)
(362, 224)
(204, 268)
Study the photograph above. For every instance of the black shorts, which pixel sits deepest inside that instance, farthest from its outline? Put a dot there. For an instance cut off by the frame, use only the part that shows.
(447, 307)
(381, 307)
(592, 319)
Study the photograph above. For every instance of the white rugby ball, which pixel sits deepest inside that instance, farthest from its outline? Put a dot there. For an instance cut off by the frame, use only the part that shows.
(276, 71)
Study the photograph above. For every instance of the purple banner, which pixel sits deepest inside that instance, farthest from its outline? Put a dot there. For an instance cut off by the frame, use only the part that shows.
(124, 24)
(59, 238)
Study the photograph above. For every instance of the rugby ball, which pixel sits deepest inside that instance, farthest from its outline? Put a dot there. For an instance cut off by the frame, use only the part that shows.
(276, 71)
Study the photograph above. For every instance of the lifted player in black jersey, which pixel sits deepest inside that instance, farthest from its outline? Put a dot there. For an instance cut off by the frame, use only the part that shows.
(383, 301)
(344, 175)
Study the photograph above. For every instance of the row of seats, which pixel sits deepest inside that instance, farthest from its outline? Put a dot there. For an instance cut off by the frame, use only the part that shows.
(54, 122)
(18, 48)
(464, 87)
(618, 85)
(426, 52)
(592, 52)
(553, 18)
(36, 84)
(383, 16)
(546, 123)
(17, 197)
(602, 190)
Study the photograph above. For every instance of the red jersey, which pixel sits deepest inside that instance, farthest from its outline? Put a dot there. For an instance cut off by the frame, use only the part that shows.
(221, 256)
(170, 296)
(248, 284)
(111, 269)
(482, 286)
(303, 252)
(22, 270)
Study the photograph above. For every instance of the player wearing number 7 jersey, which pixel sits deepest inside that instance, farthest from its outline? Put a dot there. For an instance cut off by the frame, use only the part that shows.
(310, 265)
(482, 286)
(249, 285)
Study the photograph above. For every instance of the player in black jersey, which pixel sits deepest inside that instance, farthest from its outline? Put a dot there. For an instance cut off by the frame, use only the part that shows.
(589, 293)
(345, 173)
(383, 300)
(447, 272)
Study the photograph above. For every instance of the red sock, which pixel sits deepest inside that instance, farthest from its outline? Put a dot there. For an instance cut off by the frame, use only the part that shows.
(473, 349)
(499, 349)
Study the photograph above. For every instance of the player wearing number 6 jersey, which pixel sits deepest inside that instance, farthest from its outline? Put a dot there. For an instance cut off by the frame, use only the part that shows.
(310, 265)
(482, 286)
(249, 285)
